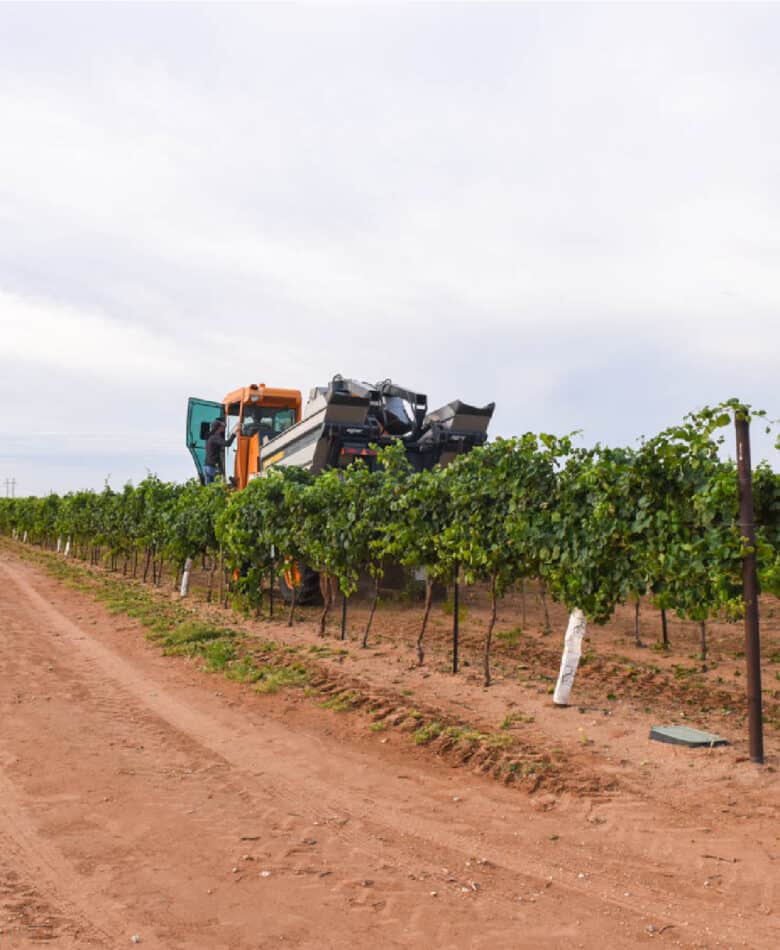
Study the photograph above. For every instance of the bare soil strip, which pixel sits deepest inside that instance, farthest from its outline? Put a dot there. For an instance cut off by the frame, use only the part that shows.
(139, 795)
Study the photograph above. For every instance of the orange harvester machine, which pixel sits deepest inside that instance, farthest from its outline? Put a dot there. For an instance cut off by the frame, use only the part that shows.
(256, 413)
(346, 419)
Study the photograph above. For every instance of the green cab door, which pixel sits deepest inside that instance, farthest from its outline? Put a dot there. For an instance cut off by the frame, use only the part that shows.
(200, 414)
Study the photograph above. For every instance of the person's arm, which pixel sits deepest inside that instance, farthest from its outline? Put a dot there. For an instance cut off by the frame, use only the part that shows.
(224, 443)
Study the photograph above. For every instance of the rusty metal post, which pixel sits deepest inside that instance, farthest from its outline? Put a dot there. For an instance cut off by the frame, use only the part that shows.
(455, 618)
(750, 589)
(272, 583)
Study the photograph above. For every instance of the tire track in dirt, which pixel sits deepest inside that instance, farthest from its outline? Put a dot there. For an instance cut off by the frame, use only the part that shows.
(321, 802)
(354, 847)
(29, 916)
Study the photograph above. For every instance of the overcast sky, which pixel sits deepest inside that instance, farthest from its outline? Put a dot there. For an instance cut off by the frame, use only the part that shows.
(573, 210)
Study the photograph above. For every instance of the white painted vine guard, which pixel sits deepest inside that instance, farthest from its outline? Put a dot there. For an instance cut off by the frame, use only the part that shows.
(572, 650)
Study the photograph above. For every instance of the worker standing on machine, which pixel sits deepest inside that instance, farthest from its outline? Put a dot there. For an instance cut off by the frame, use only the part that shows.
(215, 448)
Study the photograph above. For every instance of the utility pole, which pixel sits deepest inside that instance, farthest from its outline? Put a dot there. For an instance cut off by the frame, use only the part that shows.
(10, 487)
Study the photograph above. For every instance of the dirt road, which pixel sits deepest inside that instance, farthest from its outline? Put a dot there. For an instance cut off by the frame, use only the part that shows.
(141, 796)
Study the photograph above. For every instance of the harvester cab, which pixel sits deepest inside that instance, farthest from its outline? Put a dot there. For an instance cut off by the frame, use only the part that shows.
(255, 413)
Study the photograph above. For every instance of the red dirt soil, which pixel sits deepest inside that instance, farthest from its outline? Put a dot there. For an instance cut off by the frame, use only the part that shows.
(142, 796)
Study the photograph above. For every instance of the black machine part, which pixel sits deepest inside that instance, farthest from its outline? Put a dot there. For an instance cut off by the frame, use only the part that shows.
(389, 410)
(308, 592)
(459, 416)
(397, 410)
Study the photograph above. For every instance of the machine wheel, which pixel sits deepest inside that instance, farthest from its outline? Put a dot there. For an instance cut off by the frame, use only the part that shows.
(308, 588)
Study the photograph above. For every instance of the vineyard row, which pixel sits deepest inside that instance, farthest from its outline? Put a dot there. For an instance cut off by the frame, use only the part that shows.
(595, 526)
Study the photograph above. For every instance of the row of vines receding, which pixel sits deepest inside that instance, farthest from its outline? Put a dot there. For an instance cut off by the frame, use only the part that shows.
(596, 527)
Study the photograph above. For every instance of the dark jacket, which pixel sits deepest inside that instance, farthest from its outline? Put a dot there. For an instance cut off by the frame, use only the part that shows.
(216, 445)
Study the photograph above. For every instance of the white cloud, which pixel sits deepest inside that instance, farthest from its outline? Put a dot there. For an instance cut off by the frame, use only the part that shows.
(485, 201)
(40, 334)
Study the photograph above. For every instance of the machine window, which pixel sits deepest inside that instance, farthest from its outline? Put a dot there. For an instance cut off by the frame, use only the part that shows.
(265, 420)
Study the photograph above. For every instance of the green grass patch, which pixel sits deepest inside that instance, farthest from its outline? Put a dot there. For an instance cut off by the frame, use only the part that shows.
(326, 651)
(510, 637)
(449, 608)
(499, 740)
(187, 637)
(341, 702)
(685, 672)
(464, 736)
(271, 679)
(218, 654)
(427, 733)
(511, 718)
(242, 670)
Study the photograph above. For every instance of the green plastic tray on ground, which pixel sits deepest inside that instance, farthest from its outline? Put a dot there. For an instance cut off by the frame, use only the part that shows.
(684, 735)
